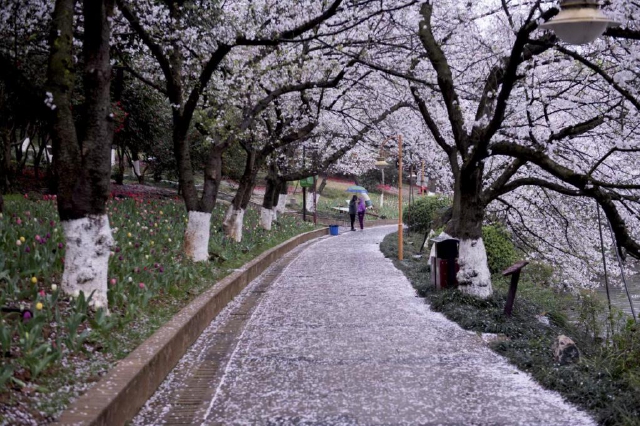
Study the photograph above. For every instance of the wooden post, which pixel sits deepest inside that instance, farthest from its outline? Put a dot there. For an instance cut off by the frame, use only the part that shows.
(400, 230)
(514, 271)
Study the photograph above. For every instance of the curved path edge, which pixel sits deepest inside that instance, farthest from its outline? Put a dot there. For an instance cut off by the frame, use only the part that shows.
(119, 395)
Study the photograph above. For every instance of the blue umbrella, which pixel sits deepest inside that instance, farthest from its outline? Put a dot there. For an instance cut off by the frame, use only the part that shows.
(357, 189)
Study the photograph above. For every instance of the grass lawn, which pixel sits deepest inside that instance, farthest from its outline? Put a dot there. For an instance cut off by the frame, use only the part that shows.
(64, 347)
(606, 381)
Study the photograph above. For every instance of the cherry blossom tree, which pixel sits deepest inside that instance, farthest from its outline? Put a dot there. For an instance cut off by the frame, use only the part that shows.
(188, 44)
(82, 155)
(518, 116)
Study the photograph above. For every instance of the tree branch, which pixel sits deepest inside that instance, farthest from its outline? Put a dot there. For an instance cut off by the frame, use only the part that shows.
(445, 78)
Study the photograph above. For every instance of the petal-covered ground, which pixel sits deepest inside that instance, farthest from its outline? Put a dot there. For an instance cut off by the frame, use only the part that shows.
(339, 337)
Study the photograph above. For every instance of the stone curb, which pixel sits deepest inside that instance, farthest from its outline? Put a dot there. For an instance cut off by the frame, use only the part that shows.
(118, 396)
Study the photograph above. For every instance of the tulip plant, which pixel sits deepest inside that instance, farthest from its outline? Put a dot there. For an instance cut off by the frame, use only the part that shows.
(51, 345)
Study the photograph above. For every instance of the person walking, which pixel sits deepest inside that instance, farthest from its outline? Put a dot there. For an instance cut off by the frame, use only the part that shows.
(361, 209)
(353, 210)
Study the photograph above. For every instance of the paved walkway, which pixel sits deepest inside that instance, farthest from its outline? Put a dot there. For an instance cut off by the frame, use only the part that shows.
(334, 335)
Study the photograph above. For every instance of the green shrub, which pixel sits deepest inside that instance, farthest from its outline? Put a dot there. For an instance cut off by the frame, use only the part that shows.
(501, 252)
(420, 215)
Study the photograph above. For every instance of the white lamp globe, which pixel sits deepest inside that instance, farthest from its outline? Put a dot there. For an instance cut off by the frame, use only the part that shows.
(579, 22)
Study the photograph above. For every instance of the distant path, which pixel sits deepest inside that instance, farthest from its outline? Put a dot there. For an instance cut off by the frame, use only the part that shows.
(339, 338)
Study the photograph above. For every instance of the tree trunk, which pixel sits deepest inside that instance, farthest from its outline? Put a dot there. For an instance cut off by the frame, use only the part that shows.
(5, 164)
(196, 238)
(120, 156)
(232, 225)
(83, 173)
(282, 196)
(323, 184)
(39, 154)
(468, 212)
(212, 179)
(18, 148)
(268, 212)
(135, 164)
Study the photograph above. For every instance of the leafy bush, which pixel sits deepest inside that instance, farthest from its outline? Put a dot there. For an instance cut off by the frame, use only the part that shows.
(501, 252)
(420, 215)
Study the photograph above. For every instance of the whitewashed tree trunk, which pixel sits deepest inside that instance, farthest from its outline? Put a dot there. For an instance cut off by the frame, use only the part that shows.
(274, 214)
(266, 218)
(86, 263)
(310, 201)
(474, 277)
(282, 203)
(233, 224)
(136, 167)
(196, 237)
(228, 213)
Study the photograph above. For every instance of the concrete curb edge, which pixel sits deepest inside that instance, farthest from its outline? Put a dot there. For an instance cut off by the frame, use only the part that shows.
(119, 395)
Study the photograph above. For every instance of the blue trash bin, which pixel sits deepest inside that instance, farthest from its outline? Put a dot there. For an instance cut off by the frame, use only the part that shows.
(333, 229)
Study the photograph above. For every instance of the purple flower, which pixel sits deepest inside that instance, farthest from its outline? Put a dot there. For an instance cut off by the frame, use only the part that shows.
(27, 249)
(117, 250)
(120, 258)
(60, 245)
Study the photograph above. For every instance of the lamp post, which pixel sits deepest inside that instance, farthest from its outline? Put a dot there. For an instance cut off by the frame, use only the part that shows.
(400, 230)
(381, 164)
(304, 188)
(579, 21)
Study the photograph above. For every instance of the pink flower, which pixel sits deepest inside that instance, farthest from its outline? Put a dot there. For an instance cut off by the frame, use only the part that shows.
(18, 221)
(38, 238)
(41, 293)
(141, 285)
(113, 281)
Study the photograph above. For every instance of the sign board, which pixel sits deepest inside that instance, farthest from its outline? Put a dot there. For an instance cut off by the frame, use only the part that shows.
(306, 182)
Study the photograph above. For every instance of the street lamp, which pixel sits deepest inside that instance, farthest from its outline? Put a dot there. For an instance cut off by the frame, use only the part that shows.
(381, 161)
(381, 164)
(579, 21)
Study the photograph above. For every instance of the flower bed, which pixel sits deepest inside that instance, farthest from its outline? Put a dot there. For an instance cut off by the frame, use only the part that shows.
(53, 346)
